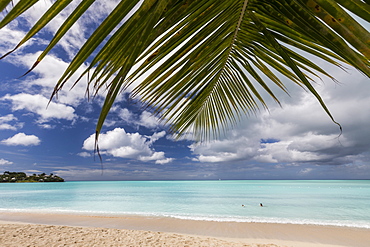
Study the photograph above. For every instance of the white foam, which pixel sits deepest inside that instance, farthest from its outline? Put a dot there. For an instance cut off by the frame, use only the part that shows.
(215, 218)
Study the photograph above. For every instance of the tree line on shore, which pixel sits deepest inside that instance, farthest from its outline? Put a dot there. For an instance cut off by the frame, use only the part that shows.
(21, 177)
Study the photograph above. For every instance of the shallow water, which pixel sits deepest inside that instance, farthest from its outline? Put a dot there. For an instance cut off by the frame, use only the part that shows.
(322, 202)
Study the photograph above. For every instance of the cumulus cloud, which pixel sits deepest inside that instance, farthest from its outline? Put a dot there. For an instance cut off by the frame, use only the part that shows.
(5, 162)
(45, 76)
(156, 136)
(307, 148)
(22, 139)
(164, 161)
(9, 37)
(119, 143)
(46, 126)
(38, 10)
(301, 132)
(40, 83)
(9, 122)
(145, 119)
(49, 70)
(148, 120)
(48, 73)
(38, 104)
(225, 150)
(84, 154)
(126, 115)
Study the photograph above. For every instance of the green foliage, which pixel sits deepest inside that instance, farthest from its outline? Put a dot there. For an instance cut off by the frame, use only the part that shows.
(21, 177)
(206, 62)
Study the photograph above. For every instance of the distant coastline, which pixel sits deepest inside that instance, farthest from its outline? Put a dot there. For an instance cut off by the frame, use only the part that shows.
(21, 177)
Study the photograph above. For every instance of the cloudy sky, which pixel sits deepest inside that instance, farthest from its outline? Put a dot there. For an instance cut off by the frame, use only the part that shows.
(295, 141)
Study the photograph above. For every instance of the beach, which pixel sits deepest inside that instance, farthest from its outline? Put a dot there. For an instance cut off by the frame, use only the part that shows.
(34, 229)
(186, 213)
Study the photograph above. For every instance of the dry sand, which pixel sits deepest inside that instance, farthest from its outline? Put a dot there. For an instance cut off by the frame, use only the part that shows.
(25, 229)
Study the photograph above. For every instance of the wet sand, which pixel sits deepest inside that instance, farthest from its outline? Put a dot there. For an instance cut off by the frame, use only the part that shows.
(29, 229)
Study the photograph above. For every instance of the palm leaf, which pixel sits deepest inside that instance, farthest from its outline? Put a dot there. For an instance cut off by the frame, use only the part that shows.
(3, 4)
(69, 22)
(202, 64)
(53, 11)
(16, 11)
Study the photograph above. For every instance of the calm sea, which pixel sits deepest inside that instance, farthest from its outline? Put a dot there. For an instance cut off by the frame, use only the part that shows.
(322, 202)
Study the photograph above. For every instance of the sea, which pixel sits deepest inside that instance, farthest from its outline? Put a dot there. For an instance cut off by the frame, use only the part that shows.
(318, 202)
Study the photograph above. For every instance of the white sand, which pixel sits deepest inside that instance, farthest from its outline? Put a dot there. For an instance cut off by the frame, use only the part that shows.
(42, 235)
(24, 229)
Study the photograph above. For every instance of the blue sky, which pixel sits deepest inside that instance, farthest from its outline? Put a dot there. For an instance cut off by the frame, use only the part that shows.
(295, 141)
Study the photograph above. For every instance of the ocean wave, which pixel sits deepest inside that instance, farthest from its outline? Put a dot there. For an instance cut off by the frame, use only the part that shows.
(215, 218)
(273, 220)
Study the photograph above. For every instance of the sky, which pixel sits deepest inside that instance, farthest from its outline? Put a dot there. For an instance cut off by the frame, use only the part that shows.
(296, 140)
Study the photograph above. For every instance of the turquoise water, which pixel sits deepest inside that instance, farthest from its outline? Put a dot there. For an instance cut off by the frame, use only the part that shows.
(322, 202)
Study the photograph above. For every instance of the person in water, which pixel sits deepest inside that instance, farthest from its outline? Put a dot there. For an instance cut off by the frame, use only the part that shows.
(261, 205)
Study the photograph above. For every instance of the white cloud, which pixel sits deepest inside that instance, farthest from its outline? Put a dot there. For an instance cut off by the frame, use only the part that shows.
(50, 69)
(154, 156)
(7, 122)
(9, 37)
(7, 118)
(5, 162)
(40, 83)
(156, 136)
(148, 120)
(227, 150)
(71, 40)
(118, 143)
(158, 157)
(126, 115)
(145, 119)
(164, 161)
(47, 74)
(84, 154)
(39, 104)
(301, 132)
(7, 127)
(22, 139)
(46, 126)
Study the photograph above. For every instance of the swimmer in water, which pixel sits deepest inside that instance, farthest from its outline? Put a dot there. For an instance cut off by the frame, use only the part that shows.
(261, 205)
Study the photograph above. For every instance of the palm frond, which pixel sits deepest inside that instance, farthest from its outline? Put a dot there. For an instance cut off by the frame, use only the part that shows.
(16, 11)
(3, 4)
(201, 64)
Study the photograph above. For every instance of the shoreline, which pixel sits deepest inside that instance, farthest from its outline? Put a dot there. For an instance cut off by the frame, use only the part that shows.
(361, 225)
(267, 234)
